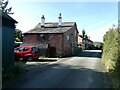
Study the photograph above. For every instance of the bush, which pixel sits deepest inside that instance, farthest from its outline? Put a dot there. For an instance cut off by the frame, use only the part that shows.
(111, 56)
(10, 74)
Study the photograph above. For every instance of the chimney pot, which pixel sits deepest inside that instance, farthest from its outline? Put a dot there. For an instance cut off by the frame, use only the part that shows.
(42, 21)
(60, 20)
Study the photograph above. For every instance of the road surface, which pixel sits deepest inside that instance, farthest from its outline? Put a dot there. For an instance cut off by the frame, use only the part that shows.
(82, 71)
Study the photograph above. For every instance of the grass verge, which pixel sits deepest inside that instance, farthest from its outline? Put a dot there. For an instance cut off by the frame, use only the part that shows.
(47, 59)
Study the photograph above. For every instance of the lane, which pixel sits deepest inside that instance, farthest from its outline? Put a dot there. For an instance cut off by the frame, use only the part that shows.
(72, 72)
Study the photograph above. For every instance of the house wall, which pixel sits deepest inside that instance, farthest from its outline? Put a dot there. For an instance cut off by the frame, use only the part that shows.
(70, 44)
(30, 39)
(87, 43)
(79, 40)
(54, 40)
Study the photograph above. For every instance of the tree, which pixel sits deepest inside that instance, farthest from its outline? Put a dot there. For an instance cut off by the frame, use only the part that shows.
(3, 7)
(83, 33)
(18, 35)
(86, 36)
(81, 36)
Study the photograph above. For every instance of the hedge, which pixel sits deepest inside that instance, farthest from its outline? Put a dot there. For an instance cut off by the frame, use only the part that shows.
(111, 56)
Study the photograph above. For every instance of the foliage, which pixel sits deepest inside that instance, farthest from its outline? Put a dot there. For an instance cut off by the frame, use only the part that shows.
(81, 36)
(3, 7)
(98, 45)
(83, 33)
(86, 36)
(10, 74)
(18, 35)
(111, 55)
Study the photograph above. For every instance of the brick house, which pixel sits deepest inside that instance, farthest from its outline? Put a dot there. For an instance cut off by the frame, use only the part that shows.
(62, 36)
(85, 42)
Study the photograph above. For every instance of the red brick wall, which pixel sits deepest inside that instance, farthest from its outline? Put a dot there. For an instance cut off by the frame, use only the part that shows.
(69, 45)
(55, 40)
(30, 39)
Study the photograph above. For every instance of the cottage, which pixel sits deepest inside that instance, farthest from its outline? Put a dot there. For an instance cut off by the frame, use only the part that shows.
(60, 37)
(8, 30)
(85, 42)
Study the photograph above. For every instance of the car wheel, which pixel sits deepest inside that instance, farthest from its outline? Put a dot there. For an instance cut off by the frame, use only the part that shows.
(29, 58)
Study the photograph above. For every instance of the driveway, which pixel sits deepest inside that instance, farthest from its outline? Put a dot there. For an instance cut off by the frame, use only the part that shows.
(83, 71)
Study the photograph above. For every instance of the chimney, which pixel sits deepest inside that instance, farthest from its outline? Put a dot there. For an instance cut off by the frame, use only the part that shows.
(88, 37)
(42, 21)
(60, 20)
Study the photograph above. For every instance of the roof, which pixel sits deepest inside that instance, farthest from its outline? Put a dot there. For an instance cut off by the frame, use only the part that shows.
(85, 38)
(4, 15)
(52, 28)
(40, 46)
(25, 46)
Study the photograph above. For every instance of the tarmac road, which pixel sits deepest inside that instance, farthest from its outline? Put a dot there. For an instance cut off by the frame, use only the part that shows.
(82, 71)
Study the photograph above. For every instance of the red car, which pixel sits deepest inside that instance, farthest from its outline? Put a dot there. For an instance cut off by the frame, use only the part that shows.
(26, 53)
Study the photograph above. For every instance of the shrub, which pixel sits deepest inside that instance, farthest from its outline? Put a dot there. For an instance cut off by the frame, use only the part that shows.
(111, 56)
(10, 74)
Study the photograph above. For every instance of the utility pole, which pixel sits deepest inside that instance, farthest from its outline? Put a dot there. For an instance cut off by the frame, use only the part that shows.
(119, 14)
(83, 40)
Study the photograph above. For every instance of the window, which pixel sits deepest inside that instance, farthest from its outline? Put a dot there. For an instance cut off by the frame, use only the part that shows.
(76, 44)
(34, 49)
(67, 37)
(18, 50)
(43, 37)
(75, 32)
(25, 49)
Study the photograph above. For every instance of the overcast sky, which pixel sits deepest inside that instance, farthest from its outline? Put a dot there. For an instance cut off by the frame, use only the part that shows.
(95, 17)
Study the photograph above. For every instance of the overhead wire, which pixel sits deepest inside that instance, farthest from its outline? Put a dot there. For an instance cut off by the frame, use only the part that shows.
(104, 20)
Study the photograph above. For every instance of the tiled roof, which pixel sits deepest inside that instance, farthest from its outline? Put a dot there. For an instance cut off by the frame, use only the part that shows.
(52, 28)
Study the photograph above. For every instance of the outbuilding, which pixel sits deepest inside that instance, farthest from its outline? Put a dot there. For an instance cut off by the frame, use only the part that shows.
(8, 30)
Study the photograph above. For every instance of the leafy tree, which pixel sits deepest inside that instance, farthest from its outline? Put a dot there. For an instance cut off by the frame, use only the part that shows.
(3, 7)
(18, 35)
(83, 33)
(86, 36)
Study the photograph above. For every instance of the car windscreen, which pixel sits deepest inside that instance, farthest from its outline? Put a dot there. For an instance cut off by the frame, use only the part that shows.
(18, 49)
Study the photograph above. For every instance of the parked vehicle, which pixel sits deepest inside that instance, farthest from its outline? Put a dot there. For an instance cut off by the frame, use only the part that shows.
(26, 53)
(17, 44)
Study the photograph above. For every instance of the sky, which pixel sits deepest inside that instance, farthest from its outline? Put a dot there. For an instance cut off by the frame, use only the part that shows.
(94, 17)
